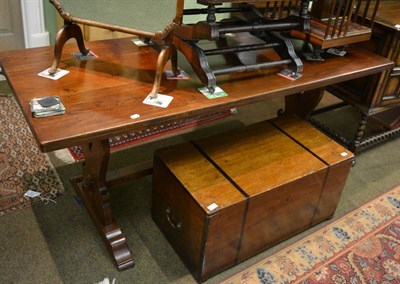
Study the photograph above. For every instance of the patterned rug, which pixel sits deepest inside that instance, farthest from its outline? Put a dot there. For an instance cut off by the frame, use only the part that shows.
(121, 141)
(360, 247)
(22, 166)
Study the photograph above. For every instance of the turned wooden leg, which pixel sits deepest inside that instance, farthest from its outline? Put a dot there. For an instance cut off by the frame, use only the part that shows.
(174, 60)
(303, 104)
(163, 58)
(360, 132)
(68, 31)
(94, 193)
(304, 8)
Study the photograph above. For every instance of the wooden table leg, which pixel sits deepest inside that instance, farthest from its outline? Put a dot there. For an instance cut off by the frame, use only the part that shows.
(96, 198)
(362, 124)
(302, 104)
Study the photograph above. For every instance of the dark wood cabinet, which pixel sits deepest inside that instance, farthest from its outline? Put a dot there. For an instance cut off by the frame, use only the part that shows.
(378, 96)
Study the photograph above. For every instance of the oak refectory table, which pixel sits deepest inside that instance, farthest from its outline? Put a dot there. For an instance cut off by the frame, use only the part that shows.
(101, 94)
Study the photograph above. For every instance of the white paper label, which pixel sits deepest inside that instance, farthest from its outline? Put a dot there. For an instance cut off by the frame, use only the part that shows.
(212, 207)
(158, 101)
(32, 193)
(60, 73)
(134, 116)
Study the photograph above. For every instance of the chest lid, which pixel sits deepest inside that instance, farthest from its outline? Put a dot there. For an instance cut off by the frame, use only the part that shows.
(261, 157)
(313, 140)
(208, 186)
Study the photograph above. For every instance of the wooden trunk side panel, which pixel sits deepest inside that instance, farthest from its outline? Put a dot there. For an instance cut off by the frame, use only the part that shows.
(168, 193)
(281, 213)
(336, 156)
(313, 139)
(223, 240)
(187, 183)
(259, 157)
(334, 185)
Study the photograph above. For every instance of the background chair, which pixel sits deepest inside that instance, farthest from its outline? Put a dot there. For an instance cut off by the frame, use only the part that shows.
(336, 23)
(153, 20)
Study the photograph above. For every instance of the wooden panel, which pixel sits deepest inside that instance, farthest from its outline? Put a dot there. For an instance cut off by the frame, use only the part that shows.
(281, 212)
(334, 155)
(314, 140)
(222, 240)
(256, 156)
(187, 184)
(168, 194)
(389, 119)
(282, 179)
(391, 92)
(208, 186)
(333, 188)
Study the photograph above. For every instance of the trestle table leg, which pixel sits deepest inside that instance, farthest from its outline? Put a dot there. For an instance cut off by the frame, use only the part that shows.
(93, 191)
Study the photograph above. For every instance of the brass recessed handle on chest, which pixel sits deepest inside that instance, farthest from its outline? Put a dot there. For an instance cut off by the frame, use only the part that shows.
(175, 225)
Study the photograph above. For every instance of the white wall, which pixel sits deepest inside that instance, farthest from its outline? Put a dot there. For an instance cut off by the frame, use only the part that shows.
(35, 34)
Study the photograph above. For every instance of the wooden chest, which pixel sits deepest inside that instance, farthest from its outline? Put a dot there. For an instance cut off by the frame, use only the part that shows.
(222, 199)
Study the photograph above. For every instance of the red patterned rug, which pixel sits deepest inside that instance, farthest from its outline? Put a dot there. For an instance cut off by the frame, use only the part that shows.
(360, 247)
(121, 141)
(22, 166)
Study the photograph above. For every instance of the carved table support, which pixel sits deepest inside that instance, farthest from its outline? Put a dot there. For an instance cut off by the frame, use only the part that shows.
(94, 193)
(302, 104)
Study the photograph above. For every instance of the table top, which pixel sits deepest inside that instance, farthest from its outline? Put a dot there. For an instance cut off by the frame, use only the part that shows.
(101, 94)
